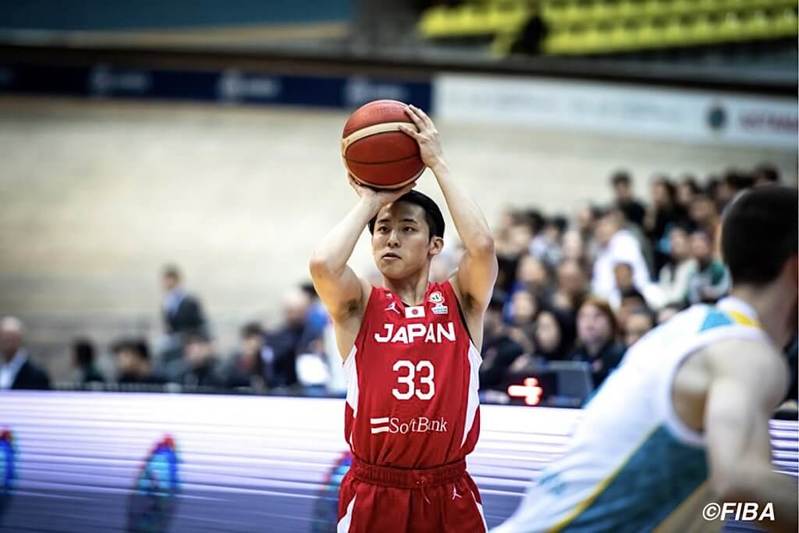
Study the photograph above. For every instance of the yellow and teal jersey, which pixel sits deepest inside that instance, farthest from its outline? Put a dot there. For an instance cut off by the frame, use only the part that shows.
(632, 464)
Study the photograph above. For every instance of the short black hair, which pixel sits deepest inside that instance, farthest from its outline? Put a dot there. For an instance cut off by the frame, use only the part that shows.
(252, 329)
(137, 346)
(620, 177)
(84, 351)
(432, 214)
(171, 271)
(758, 234)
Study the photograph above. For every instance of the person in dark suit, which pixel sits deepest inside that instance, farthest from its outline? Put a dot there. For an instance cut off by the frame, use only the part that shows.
(182, 314)
(17, 371)
(133, 363)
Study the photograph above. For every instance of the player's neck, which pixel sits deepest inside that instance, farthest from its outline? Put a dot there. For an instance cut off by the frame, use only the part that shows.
(772, 309)
(411, 290)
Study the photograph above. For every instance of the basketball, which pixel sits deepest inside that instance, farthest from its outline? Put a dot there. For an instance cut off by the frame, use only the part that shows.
(375, 151)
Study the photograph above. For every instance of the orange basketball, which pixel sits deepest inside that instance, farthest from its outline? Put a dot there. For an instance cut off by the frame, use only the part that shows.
(375, 151)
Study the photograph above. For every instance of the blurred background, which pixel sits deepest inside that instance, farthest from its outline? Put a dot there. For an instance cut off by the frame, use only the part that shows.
(167, 168)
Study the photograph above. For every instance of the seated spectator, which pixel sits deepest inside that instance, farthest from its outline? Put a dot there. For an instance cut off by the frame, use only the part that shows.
(292, 338)
(17, 371)
(711, 280)
(616, 245)
(553, 335)
(572, 286)
(199, 367)
(624, 199)
(596, 339)
(703, 214)
(675, 274)
(133, 363)
(649, 295)
(546, 245)
(664, 212)
(573, 248)
(83, 362)
(522, 310)
(766, 174)
(499, 349)
(687, 189)
(638, 323)
(532, 275)
(250, 367)
(734, 181)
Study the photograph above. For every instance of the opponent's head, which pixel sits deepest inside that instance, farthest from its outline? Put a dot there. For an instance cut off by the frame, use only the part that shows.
(759, 242)
(406, 235)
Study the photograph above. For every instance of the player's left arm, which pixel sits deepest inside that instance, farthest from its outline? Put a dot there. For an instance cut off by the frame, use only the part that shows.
(477, 271)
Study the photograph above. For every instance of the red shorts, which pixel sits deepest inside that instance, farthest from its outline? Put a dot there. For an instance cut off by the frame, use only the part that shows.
(378, 498)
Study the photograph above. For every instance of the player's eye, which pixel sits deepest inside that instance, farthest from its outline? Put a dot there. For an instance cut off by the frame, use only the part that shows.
(409, 229)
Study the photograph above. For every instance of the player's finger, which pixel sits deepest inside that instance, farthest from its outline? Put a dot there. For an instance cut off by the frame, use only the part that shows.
(408, 130)
(409, 110)
(422, 115)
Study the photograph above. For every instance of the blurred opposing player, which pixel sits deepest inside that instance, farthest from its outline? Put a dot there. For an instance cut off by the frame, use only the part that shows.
(684, 422)
(412, 353)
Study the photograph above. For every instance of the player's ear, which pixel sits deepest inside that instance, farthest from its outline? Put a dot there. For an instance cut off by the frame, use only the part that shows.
(436, 245)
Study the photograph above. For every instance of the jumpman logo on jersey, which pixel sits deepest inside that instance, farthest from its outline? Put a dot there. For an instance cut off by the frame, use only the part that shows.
(393, 307)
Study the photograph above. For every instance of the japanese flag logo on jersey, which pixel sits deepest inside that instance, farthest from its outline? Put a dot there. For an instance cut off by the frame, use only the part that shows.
(414, 312)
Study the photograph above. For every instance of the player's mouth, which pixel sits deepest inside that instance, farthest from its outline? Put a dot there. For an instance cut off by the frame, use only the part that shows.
(390, 255)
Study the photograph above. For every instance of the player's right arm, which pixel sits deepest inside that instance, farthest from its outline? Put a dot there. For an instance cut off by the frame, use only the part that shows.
(748, 380)
(342, 292)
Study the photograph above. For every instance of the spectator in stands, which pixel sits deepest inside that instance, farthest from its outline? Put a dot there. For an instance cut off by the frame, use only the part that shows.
(624, 199)
(766, 174)
(687, 189)
(499, 348)
(637, 324)
(662, 215)
(83, 361)
(17, 371)
(675, 274)
(711, 280)
(596, 339)
(292, 338)
(572, 286)
(546, 245)
(522, 310)
(134, 366)
(735, 181)
(532, 275)
(573, 248)
(553, 334)
(616, 245)
(649, 294)
(182, 314)
(199, 367)
(703, 214)
(251, 366)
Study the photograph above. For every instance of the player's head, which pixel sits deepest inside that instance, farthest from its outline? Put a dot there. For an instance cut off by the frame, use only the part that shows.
(170, 277)
(406, 235)
(759, 236)
(759, 242)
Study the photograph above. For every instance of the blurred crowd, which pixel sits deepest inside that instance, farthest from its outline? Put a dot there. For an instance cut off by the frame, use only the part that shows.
(572, 293)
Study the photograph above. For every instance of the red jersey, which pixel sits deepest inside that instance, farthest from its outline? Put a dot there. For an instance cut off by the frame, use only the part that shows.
(412, 382)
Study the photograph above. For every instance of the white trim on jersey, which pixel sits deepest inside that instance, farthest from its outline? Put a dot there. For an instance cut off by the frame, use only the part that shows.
(351, 374)
(343, 525)
(473, 399)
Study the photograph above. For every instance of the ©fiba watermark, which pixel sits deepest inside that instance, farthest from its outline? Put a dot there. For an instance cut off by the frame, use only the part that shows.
(746, 511)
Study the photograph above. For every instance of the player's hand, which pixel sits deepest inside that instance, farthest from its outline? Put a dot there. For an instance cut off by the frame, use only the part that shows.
(377, 198)
(426, 135)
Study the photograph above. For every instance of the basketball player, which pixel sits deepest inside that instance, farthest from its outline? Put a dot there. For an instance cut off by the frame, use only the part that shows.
(684, 421)
(411, 353)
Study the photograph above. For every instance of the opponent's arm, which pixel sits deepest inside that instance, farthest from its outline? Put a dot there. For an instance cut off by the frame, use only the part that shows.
(477, 270)
(748, 382)
(340, 289)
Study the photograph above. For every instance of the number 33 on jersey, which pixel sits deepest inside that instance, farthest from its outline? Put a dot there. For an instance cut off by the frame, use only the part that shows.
(412, 382)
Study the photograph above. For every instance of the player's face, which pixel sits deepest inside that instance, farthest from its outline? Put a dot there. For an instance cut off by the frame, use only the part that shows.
(401, 243)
